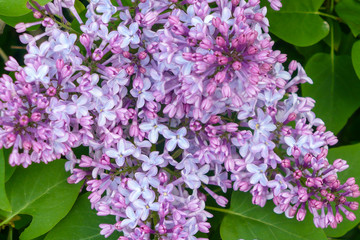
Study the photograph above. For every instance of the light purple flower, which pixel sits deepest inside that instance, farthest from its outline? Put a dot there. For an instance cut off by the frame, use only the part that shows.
(263, 125)
(133, 218)
(140, 189)
(153, 128)
(153, 160)
(107, 9)
(146, 207)
(143, 94)
(105, 109)
(37, 75)
(258, 173)
(177, 138)
(130, 35)
(124, 149)
(278, 184)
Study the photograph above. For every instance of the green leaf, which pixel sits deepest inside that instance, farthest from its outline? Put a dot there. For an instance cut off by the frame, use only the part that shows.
(81, 223)
(27, 18)
(9, 170)
(355, 56)
(247, 221)
(351, 154)
(335, 89)
(349, 12)
(298, 22)
(40, 191)
(126, 2)
(337, 35)
(79, 6)
(16, 8)
(4, 202)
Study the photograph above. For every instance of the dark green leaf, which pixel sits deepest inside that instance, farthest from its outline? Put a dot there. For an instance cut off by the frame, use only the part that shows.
(40, 191)
(351, 154)
(16, 8)
(298, 22)
(81, 223)
(27, 18)
(127, 2)
(337, 35)
(79, 6)
(247, 221)
(4, 202)
(335, 89)
(349, 12)
(355, 56)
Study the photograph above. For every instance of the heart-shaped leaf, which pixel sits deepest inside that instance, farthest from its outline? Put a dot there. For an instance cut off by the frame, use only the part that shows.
(40, 191)
(351, 154)
(349, 12)
(16, 7)
(298, 22)
(355, 56)
(4, 202)
(247, 221)
(335, 89)
(81, 223)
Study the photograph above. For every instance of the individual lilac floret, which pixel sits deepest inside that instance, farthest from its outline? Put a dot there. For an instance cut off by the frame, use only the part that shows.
(175, 139)
(124, 149)
(258, 173)
(129, 35)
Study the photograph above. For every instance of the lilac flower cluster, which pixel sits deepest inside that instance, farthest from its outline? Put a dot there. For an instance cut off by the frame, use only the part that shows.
(174, 100)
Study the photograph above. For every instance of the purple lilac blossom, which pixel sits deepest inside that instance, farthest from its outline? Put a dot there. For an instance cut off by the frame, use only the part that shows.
(166, 111)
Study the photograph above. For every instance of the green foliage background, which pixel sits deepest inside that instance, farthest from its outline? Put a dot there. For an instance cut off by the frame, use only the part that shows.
(323, 35)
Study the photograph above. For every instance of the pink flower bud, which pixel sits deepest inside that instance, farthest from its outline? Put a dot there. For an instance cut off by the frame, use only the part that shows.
(354, 206)
(318, 182)
(297, 174)
(105, 160)
(300, 216)
(20, 27)
(48, 22)
(60, 64)
(220, 41)
(285, 163)
(142, 55)
(27, 89)
(24, 120)
(206, 44)
(51, 91)
(236, 65)
(226, 90)
(85, 161)
(338, 217)
(350, 181)
(310, 182)
(163, 177)
(351, 216)
(66, 71)
(37, 15)
(222, 60)
(85, 40)
(173, 20)
(162, 229)
(97, 54)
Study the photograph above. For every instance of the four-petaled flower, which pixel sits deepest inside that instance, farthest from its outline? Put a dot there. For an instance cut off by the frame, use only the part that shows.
(130, 35)
(37, 75)
(258, 173)
(153, 128)
(124, 149)
(177, 138)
